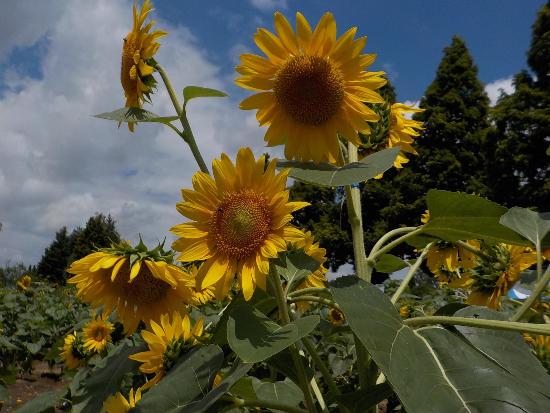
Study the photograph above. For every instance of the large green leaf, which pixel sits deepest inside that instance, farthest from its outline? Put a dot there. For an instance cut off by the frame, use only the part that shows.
(184, 383)
(43, 403)
(254, 337)
(192, 92)
(105, 378)
(388, 263)
(434, 361)
(359, 401)
(135, 115)
(352, 173)
(530, 224)
(457, 216)
(285, 392)
(236, 373)
(295, 266)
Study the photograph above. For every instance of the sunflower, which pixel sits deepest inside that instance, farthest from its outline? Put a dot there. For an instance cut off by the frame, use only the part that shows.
(499, 269)
(117, 403)
(403, 131)
(200, 296)
(97, 333)
(240, 219)
(138, 49)
(138, 283)
(312, 87)
(73, 352)
(24, 282)
(336, 317)
(405, 311)
(451, 264)
(167, 342)
(541, 348)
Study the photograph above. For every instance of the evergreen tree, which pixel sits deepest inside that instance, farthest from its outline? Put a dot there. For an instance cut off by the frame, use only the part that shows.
(56, 257)
(520, 172)
(100, 231)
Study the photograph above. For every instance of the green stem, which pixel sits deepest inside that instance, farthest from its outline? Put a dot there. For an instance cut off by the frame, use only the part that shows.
(187, 134)
(539, 258)
(363, 363)
(285, 319)
(410, 274)
(267, 404)
(388, 247)
(315, 299)
(310, 290)
(537, 291)
(321, 366)
(543, 329)
(389, 235)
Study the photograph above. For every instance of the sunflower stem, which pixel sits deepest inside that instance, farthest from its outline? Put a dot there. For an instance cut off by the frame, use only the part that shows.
(325, 372)
(391, 245)
(309, 290)
(532, 299)
(187, 134)
(471, 249)
(410, 274)
(312, 298)
(542, 329)
(285, 319)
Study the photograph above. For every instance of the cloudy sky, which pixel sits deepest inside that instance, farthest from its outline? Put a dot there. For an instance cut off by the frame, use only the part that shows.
(59, 64)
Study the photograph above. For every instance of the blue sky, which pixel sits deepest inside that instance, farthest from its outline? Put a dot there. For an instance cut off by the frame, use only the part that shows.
(60, 64)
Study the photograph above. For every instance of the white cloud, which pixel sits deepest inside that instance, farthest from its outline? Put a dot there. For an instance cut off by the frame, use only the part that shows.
(59, 165)
(494, 89)
(269, 5)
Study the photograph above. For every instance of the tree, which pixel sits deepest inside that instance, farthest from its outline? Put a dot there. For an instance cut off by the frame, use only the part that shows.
(520, 173)
(100, 231)
(55, 259)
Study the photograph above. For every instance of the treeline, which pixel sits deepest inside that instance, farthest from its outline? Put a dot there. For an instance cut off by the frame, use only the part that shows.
(501, 153)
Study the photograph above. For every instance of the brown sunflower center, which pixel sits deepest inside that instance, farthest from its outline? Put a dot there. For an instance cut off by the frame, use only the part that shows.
(128, 69)
(99, 333)
(310, 89)
(241, 223)
(144, 289)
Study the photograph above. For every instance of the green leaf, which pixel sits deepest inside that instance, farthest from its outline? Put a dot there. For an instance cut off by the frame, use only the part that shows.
(352, 173)
(192, 92)
(244, 388)
(105, 378)
(254, 337)
(295, 266)
(34, 348)
(530, 224)
(43, 403)
(184, 383)
(239, 369)
(285, 392)
(457, 375)
(388, 263)
(283, 363)
(8, 345)
(359, 401)
(135, 115)
(457, 216)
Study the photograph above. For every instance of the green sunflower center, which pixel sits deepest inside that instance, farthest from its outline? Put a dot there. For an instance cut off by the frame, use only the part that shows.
(241, 223)
(310, 89)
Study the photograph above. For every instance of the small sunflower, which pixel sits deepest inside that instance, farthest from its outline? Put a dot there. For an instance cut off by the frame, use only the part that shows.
(204, 295)
(24, 282)
(403, 131)
(541, 348)
(117, 403)
(97, 334)
(497, 272)
(405, 311)
(140, 45)
(239, 220)
(336, 317)
(167, 342)
(73, 354)
(139, 284)
(451, 264)
(312, 87)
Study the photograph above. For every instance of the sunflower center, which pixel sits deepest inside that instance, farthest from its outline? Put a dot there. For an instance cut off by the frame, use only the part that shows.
(99, 334)
(241, 223)
(310, 89)
(144, 289)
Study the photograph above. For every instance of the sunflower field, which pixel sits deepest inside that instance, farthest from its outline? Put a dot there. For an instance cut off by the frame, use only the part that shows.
(237, 314)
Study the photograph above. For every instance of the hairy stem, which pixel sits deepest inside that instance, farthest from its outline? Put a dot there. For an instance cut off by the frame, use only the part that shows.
(410, 274)
(314, 299)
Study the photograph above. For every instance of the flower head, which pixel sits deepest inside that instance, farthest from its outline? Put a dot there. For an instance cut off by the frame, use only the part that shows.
(311, 87)
(73, 352)
(97, 334)
(138, 283)
(139, 47)
(239, 220)
(336, 317)
(167, 342)
(451, 264)
(24, 282)
(117, 403)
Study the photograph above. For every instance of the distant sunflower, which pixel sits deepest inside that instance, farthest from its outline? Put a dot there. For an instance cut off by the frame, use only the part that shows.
(143, 291)
(140, 45)
(204, 295)
(312, 87)
(117, 403)
(239, 220)
(24, 282)
(498, 271)
(73, 353)
(403, 131)
(336, 317)
(97, 334)
(167, 342)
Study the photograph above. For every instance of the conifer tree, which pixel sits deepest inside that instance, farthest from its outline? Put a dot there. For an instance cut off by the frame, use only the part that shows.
(100, 231)
(520, 172)
(55, 259)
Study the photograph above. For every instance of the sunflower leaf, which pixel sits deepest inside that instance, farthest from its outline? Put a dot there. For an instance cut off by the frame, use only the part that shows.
(135, 115)
(295, 266)
(352, 173)
(43, 403)
(388, 263)
(532, 225)
(192, 92)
